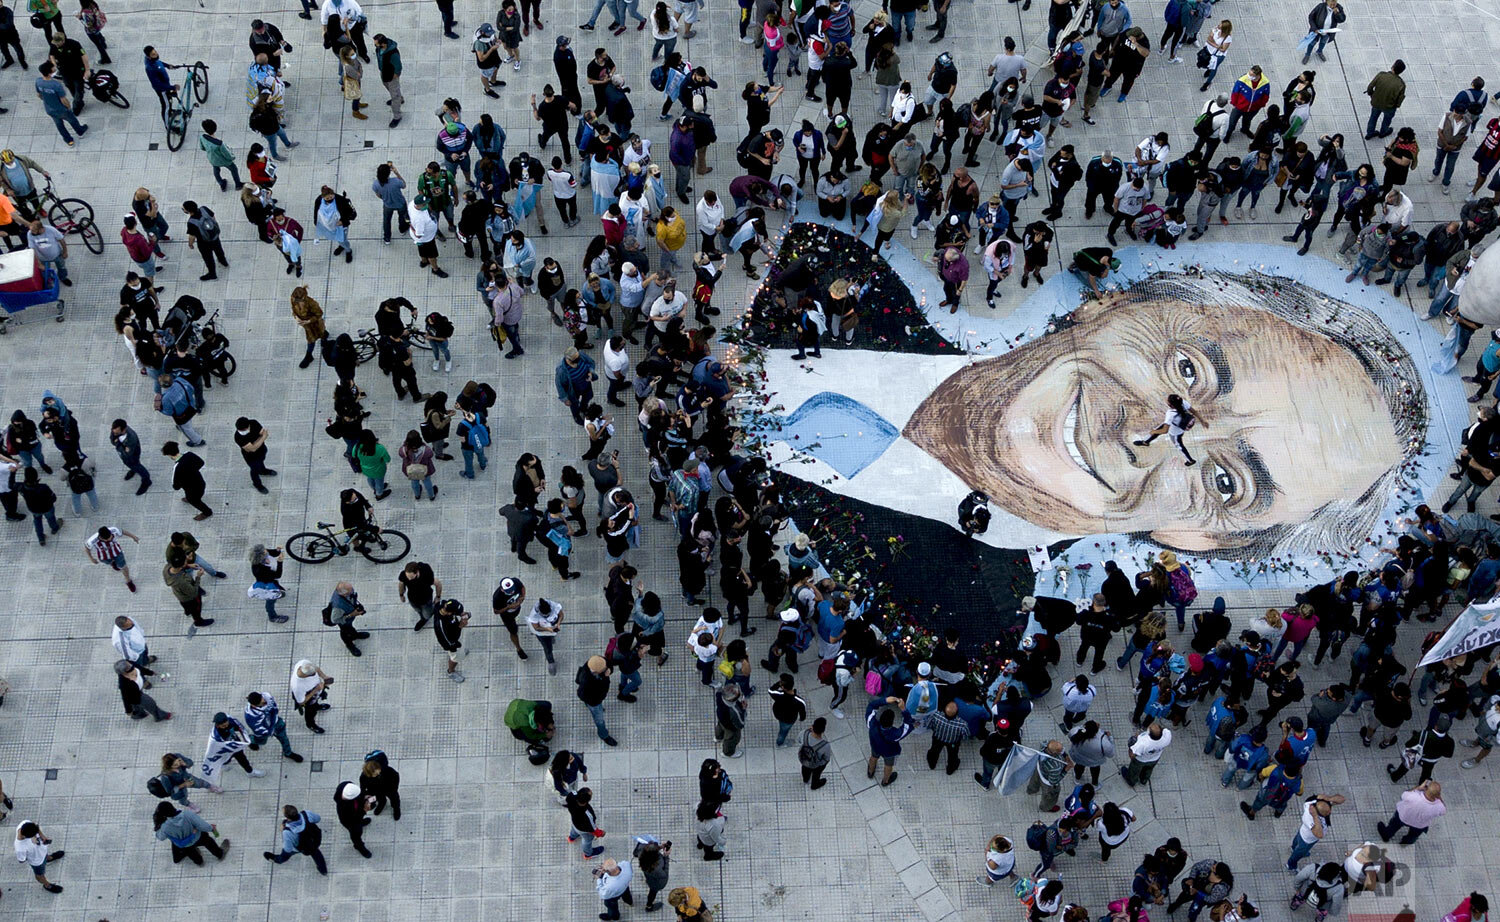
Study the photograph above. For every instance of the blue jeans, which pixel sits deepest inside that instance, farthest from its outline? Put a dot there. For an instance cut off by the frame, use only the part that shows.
(1300, 850)
(440, 350)
(906, 20)
(629, 682)
(271, 140)
(1130, 651)
(1319, 44)
(376, 483)
(1213, 746)
(596, 711)
(1384, 116)
(32, 457)
(1441, 301)
(385, 223)
(469, 454)
(1282, 644)
(781, 732)
(1431, 275)
(1212, 72)
(78, 502)
(51, 516)
(1362, 266)
(1231, 774)
(417, 485)
(1396, 276)
(587, 835)
(62, 120)
(280, 734)
(769, 58)
(1451, 158)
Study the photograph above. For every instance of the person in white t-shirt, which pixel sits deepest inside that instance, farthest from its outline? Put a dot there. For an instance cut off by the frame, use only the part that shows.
(1145, 751)
(564, 192)
(1178, 420)
(31, 850)
(670, 305)
(615, 364)
(710, 213)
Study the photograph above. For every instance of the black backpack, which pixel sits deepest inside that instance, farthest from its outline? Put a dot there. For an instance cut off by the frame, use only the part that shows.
(159, 786)
(79, 480)
(311, 837)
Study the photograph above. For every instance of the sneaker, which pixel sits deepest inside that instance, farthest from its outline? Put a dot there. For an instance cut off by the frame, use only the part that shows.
(610, 741)
(447, 366)
(1175, 60)
(1252, 214)
(551, 669)
(434, 365)
(257, 773)
(913, 232)
(457, 677)
(1469, 763)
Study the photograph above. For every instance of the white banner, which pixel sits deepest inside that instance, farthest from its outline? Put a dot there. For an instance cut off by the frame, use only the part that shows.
(1476, 627)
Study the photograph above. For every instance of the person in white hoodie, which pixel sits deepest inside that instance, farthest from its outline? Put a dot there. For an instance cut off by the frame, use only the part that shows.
(710, 213)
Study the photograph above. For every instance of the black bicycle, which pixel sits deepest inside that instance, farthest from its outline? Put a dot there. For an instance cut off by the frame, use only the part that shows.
(378, 545)
(366, 343)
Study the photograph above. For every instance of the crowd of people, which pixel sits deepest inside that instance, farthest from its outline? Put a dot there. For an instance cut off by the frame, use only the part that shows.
(730, 522)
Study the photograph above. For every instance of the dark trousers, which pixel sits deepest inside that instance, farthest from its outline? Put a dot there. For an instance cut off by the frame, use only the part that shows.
(194, 498)
(1092, 640)
(1093, 196)
(191, 852)
(244, 761)
(394, 798)
(212, 250)
(1127, 220)
(10, 40)
(76, 89)
(446, 8)
(357, 837)
(567, 208)
(349, 635)
(310, 713)
(316, 855)
(404, 379)
(148, 708)
(561, 131)
(612, 905)
(258, 468)
(1392, 826)
(1401, 771)
(939, 746)
(812, 775)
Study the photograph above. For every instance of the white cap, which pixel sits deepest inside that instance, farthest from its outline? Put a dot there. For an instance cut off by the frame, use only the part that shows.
(348, 790)
(790, 615)
(924, 669)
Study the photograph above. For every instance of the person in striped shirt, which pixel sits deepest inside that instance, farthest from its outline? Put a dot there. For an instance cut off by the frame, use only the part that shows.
(104, 547)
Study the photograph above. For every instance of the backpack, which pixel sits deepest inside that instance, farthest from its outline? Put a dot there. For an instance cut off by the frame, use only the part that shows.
(79, 480)
(873, 683)
(311, 836)
(479, 435)
(1203, 125)
(439, 325)
(825, 671)
(208, 225)
(1181, 581)
(659, 77)
(609, 648)
(742, 153)
(159, 786)
(804, 637)
(1036, 836)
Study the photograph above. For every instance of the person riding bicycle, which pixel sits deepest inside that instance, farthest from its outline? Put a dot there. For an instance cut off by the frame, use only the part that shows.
(358, 516)
(161, 81)
(16, 178)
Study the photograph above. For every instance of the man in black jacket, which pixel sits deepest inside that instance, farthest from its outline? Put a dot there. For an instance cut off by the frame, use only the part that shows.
(593, 687)
(448, 626)
(1101, 179)
(187, 476)
(266, 39)
(41, 502)
(352, 806)
(1096, 624)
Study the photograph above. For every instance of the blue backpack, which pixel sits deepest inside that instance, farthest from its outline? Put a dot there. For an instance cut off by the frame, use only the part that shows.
(478, 435)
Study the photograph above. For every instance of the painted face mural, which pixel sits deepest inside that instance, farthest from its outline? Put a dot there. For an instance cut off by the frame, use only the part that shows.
(1307, 409)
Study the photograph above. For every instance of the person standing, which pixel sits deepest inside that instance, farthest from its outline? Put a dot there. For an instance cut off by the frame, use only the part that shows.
(343, 607)
(888, 724)
(309, 684)
(419, 587)
(787, 706)
(381, 783)
(424, 232)
(815, 753)
(51, 248)
(56, 103)
(183, 578)
(351, 806)
(388, 62)
(220, 157)
(300, 834)
(309, 316)
(1387, 91)
(448, 627)
(1077, 696)
(506, 602)
(128, 446)
(612, 882)
(263, 721)
(31, 848)
(130, 642)
(729, 718)
(1417, 810)
(948, 733)
(1145, 751)
(544, 620)
(187, 473)
(1316, 822)
(104, 547)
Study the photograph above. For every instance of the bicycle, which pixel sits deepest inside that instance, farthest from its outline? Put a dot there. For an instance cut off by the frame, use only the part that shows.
(180, 109)
(385, 545)
(71, 216)
(366, 343)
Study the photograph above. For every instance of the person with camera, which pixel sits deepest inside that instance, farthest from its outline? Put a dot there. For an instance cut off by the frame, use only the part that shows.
(343, 607)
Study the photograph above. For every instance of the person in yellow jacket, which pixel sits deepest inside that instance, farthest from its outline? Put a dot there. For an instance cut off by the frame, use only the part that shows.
(671, 235)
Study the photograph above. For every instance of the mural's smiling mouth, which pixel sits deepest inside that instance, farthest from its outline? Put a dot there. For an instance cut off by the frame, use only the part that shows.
(1070, 431)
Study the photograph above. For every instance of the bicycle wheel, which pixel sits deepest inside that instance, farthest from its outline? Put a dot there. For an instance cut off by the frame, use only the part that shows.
(176, 126)
(200, 82)
(118, 99)
(364, 350)
(70, 214)
(418, 340)
(311, 547)
(388, 547)
(92, 238)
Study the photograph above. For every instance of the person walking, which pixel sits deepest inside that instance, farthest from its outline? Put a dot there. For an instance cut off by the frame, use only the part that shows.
(251, 437)
(128, 446)
(592, 681)
(263, 721)
(187, 474)
(183, 579)
(1316, 822)
(104, 547)
(1387, 91)
(130, 642)
(730, 710)
(351, 806)
(31, 845)
(204, 235)
(815, 753)
(787, 706)
(56, 103)
(420, 588)
(1425, 748)
(1417, 810)
(220, 157)
(185, 830)
(583, 821)
(41, 503)
(132, 685)
(343, 607)
(300, 835)
(612, 883)
(448, 627)
(309, 686)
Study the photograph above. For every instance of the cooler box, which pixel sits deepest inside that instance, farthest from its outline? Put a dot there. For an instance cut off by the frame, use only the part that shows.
(21, 271)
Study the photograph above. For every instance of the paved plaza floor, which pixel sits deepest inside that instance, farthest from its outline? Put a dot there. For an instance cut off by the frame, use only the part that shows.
(479, 837)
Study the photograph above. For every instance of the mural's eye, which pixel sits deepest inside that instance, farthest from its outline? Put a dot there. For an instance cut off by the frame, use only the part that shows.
(1186, 369)
(1224, 484)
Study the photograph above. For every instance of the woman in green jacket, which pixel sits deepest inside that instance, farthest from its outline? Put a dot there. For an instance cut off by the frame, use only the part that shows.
(373, 459)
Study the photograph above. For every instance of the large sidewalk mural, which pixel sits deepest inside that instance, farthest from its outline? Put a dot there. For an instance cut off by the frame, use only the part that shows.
(1322, 425)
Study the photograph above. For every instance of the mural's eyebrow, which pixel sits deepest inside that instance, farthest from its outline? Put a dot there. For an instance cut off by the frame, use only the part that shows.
(1265, 486)
(1215, 355)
